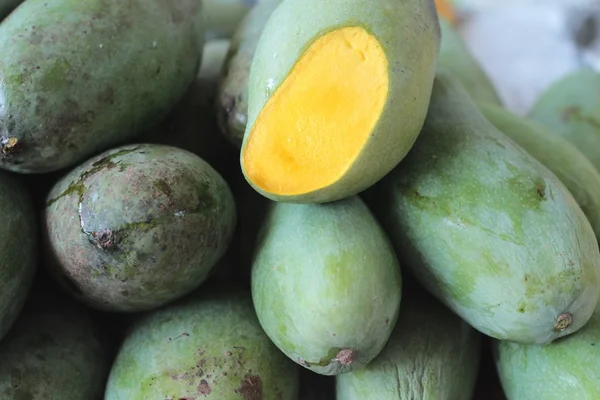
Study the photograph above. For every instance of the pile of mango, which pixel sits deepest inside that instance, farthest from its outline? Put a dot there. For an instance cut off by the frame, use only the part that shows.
(287, 200)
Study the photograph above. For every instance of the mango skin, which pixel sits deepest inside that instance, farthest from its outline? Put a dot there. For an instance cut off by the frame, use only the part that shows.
(487, 229)
(222, 17)
(570, 108)
(232, 106)
(432, 354)
(6, 6)
(560, 156)
(54, 352)
(137, 227)
(566, 369)
(456, 59)
(206, 347)
(80, 76)
(310, 257)
(408, 31)
(18, 249)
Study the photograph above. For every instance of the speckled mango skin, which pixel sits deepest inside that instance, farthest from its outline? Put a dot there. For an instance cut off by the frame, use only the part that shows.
(6, 6)
(202, 348)
(566, 369)
(138, 226)
(432, 354)
(456, 59)
(559, 155)
(80, 76)
(570, 108)
(53, 354)
(325, 279)
(408, 31)
(232, 106)
(18, 249)
(488, 229)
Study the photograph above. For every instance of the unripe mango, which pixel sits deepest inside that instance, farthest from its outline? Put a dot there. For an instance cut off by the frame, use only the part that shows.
(79, 76)
(6, 6)
(337, 95)
(222, 17)
(326, 284)
(488, 229)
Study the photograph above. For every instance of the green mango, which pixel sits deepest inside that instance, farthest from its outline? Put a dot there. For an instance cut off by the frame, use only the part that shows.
(6, 6)
(232, 106)
(456, 59)
(222, 17)
(557, 154)
(337, 95)
(209, 347)
(487, 229)
(80, 76)
(326, 284)
(570, 108)
(138, 226)
(432, 354)
(565, 369)
(18, 249)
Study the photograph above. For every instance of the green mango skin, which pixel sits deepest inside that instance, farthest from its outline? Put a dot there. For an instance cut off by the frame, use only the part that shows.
(557, 154)
(232, 107)
(432, 354)
(6, 6)
(456, 59)
(210, 347)
(409, 34)
(309, 259)
(18, 249)
(222, 17)
(570, 108)
(487, 229)
(565, 369)
(80, 76)
(138, 226)
(54, 353)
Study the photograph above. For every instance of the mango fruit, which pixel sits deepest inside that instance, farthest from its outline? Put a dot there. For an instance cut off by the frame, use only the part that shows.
(446, 11)
(138, 226)
(326, 284)
(55, 351)
(557, 154)
(487, 229)
(80, 76)
(565, 369)
(222, 17)
(6, 6)
(206, 347)
(334, 105)
(432, 354)
(18, 249)
(232, 106)
(456, 59)
(570, 108)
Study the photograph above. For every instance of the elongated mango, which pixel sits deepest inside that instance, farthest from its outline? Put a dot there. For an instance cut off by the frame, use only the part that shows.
(337, 95)
(557, 154)
(488, 229)
(326, 284)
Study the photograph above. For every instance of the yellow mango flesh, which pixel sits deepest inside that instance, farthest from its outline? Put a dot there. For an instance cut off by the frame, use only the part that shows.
(317, 122)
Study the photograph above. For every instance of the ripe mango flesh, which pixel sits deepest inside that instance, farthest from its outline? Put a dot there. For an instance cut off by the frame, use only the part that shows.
(326, 284)
(338, 92)
(206, 347)
(557, 154)
(571, 109)
(488, 229)
(432, 354)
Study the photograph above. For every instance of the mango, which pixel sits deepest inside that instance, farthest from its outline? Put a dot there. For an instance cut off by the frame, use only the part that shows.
(18, 249)
(206, 347)
(337, 95)
(456, 59)
(570, 108)
(432, 354)
(232, 106)
(54, 351)
(137, 227)
(81, 76)
(487, 229)
(326, 284)
(566, 369)
(6, 6)
(557, 154)
(446, 11)
(222, 17)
